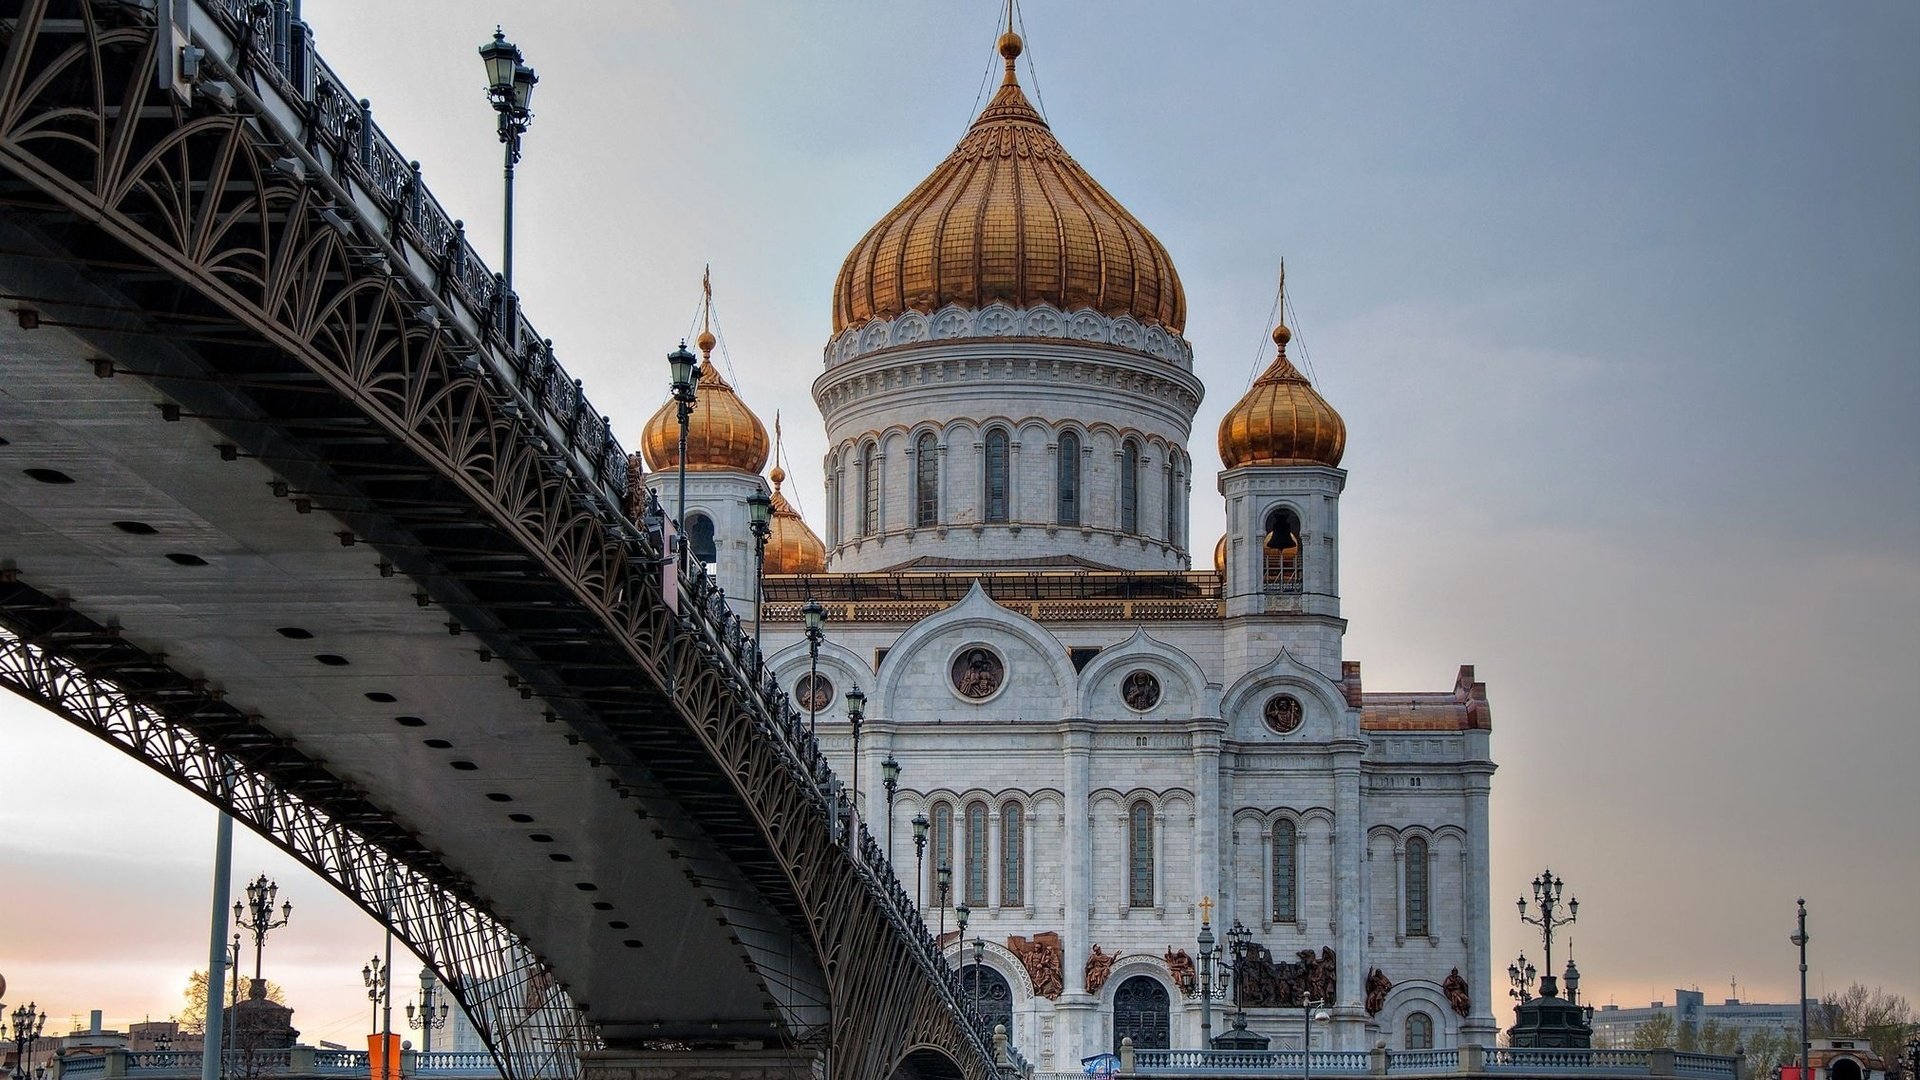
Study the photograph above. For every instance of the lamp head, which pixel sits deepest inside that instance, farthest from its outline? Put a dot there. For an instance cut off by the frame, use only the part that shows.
(961, 914)
(523, 82)
(759, 511)
(944, 876)
(501, 57)
(681, 365)
(920, 825)
(856, 704)
(890, 772)
(1573, 907)
(813, 614)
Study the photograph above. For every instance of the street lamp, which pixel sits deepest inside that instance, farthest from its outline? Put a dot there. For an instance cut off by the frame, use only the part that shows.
(1800, 939)
(256, 916)
(890, 779)
(920, 826)
(1520, 974)
(430, 1017)
(683, 369)
(815, 618)
(379, 981)
(1307, 1018)
(510, 90)
(856, 715)
(943, 884)
(1546, 894)
(760, 521)
(979, 954)
(1209, 952)
(28, 1024)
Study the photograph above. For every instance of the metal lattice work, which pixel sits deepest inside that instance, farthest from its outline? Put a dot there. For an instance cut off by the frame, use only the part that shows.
(323, 262)
(133, 701)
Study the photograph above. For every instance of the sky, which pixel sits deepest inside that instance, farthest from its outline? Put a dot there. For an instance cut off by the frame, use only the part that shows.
(1621, 304)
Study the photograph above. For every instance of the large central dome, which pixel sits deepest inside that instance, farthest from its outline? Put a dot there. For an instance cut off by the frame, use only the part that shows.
(1009, 216)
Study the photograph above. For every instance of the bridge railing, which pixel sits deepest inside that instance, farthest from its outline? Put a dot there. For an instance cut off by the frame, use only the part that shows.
(292, 1062)
(1508, 1061)
(394, 212)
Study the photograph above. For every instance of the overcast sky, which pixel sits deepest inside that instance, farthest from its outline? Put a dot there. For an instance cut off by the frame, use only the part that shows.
(1620, 303)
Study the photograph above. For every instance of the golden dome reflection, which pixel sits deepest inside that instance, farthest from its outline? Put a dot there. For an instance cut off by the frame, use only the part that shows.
(1009, 216)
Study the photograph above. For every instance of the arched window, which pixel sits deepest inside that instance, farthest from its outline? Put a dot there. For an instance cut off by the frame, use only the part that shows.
(1129, 487)
(1419, 1031)
(926, 480)
(976, 890)
(1140, 855)
(870, 491)
(700, 538)
(1281, 547)
(833, 514)
(989, 988)
(941, 841)
(1417, 891)
(997, 494)
(1140, 1014)
(1173, 499)
(1012, 856)
(1286, 875)
(1067, 487)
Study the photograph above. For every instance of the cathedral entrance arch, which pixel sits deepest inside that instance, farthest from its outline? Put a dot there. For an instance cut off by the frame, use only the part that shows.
(989, 990)
(1140, 1013)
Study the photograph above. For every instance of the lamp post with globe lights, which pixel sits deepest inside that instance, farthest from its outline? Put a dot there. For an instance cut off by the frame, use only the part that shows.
(431, 1016)
(256, 916)
(1520, 975)
(1546, 895)
(29, 1023)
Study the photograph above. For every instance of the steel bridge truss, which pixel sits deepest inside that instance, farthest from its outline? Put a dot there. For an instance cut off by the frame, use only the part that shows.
(330, 299)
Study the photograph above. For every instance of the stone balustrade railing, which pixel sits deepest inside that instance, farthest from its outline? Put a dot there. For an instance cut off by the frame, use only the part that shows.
(286, 1064)
(1495, 1061)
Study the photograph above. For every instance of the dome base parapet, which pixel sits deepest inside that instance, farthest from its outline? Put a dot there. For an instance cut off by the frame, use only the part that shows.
(1002, 322)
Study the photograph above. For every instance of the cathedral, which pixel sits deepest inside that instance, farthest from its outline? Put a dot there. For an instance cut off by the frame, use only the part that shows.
(1072, 738)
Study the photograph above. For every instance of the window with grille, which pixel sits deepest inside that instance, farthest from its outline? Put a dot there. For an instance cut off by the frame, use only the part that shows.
(1417, 890)
(1286, 877)
(1012, 855)
(1067, 512)
(1419, 1031)
(1130, 486)
(1140, 856)
(941, 843)
(996, 477)
(1140, 1013)
(1281, 550)
(700, 538)
(976, 891)
(926, 480)
(870, 491)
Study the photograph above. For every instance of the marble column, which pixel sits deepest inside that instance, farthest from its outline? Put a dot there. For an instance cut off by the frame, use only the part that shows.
(1480, 1027)
(1349, 838)
(1079, 1022)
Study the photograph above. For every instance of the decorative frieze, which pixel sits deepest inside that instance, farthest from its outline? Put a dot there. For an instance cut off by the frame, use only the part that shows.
(955, 323)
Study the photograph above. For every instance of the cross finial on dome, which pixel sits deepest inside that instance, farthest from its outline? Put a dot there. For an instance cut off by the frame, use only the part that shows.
(706, 339)
(1282, 335)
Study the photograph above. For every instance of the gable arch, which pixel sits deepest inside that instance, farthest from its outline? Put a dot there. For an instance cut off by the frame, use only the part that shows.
(1184, 690)
(1038, 676)
(1324, 701)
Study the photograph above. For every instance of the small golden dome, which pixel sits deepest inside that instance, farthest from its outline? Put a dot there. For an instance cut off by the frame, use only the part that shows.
(1282, 420)
(722, 433)
(1220, 555)
(1009, 216)
(792, 548)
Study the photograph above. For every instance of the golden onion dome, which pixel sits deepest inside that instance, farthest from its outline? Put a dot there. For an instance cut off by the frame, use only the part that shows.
(792, 548)
(1220, 555)
(722, 433)
(1009, 216)
(1282, 420)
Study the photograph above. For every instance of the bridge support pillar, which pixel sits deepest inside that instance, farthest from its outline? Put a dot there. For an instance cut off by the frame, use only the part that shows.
(701, 1065)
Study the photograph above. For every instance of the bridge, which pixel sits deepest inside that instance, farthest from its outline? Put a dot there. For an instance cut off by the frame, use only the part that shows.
(300, 510)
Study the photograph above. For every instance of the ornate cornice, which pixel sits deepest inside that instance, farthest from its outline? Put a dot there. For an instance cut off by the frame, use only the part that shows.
(1000, 321)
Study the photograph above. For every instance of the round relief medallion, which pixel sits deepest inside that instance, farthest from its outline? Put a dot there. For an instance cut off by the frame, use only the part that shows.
(977, 673)
(813, 693)
(1283, 713)
(1140, 690)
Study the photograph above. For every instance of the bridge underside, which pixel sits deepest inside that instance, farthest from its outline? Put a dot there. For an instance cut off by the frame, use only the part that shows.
(435, 692)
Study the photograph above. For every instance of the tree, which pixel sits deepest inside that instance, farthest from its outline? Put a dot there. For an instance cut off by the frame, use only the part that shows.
(193, 1014)
(1877, 1015)
(1654, 1033)
(1767, 1050)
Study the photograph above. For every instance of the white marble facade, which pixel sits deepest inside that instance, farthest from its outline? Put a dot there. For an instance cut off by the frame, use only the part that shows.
(1104, 818)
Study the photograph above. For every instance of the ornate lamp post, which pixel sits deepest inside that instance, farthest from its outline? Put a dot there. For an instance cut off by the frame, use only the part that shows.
(683, 369)
(255, 915)
(920, 826)
(379, 982)
(890, 779)
(760, 521)
(1520, 974)
(943, 884)
(1800, 940)
(28, 1024)
(1208, 953)
(961, 915)
(979, 954)
(815, 618)
(510, 85)
(856, 715)
(1311, 1009)
(430, 1017)
(1546, 894)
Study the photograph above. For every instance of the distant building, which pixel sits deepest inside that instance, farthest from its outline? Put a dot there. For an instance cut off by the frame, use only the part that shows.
(1614, 1026)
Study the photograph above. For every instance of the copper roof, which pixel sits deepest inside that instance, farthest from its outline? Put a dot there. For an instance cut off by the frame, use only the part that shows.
(1282, 420)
